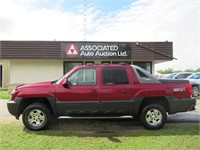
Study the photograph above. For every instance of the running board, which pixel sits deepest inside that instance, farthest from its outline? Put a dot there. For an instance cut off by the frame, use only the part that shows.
(110, 117)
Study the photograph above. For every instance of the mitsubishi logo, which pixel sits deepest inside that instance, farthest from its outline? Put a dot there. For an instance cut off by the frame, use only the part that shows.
(72, 50)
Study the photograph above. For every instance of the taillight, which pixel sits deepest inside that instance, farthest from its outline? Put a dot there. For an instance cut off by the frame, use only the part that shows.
(189, 88)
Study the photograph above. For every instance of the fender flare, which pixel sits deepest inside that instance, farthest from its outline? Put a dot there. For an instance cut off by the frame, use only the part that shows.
(52, 102)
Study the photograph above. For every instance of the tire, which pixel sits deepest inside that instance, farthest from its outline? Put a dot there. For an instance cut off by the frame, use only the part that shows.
(153, 116)
(36, 116)
(195, 91)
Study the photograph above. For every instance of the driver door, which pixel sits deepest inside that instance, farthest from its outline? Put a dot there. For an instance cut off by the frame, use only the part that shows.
(80, 97)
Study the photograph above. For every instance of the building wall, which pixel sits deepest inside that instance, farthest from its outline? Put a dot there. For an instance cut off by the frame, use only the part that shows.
(30, 71)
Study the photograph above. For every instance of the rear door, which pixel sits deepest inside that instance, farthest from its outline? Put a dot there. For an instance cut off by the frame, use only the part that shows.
(115, 91)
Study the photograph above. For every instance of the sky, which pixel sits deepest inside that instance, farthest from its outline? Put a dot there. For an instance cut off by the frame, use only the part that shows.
(177, 21)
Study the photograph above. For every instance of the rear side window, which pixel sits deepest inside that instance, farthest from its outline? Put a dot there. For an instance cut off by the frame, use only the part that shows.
(142, 75)
(114, 76)
(182, 76)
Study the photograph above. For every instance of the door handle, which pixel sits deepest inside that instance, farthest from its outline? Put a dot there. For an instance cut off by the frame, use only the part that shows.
(93, 91)
(125, 91)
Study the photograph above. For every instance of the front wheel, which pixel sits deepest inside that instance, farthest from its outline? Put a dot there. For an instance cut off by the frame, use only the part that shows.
(36, 116)
(153, 116)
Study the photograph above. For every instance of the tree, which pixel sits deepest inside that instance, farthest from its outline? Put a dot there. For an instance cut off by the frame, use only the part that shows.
(167, 71)
(198, 70)
(170, 70)
(189, 70)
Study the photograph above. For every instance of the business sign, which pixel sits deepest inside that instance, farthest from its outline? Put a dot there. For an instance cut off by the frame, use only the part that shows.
(96, 50)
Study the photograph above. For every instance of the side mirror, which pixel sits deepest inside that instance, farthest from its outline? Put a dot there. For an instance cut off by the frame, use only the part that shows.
(67, 84)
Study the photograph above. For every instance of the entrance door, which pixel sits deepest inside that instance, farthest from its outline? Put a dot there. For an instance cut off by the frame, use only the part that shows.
(1, 79)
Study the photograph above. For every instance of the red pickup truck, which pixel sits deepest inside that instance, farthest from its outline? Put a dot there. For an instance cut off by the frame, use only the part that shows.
(102, 90)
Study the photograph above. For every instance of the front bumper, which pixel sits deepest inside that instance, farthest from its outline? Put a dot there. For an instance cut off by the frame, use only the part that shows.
(181, 105)
(13, 107)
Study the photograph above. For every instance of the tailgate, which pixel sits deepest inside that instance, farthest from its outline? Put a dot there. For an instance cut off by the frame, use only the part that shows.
(180, 88)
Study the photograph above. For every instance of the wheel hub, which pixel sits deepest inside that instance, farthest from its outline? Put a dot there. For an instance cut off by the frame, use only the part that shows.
(36, 118)
(153, 117)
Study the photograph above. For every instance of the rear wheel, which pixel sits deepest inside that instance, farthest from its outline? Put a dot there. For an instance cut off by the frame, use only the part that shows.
(153, 116)
(195, 91)
(36, 116)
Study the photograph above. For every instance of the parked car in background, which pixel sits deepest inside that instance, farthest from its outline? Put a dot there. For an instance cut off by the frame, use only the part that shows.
(180, 75)
(194, 80)
(171, 76)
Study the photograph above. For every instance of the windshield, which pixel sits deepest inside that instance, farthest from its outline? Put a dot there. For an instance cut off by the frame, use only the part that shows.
(194, 76)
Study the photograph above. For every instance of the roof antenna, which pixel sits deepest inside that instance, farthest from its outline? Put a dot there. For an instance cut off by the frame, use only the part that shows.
(85, 20)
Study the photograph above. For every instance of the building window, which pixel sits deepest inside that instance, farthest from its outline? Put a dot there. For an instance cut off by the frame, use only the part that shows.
(69, 65)
(105, 62)
(89, 62)
(121, 62)
(114, 76)
(83, 77)
(144, 65)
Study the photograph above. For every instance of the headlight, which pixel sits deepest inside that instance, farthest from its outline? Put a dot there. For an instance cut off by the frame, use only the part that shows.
(13, 91)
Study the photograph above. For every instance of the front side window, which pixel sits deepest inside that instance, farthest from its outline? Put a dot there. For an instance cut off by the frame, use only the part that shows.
(83, 77)
(114, 76)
